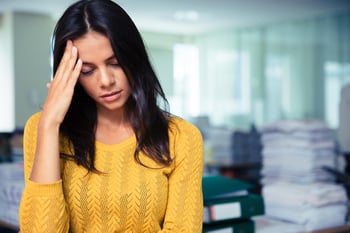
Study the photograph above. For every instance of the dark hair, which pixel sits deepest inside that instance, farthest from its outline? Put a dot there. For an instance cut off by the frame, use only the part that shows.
(149, 122)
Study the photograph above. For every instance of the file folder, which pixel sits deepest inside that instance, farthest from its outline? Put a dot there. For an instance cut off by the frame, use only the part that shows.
(233, 208)
(216, 186)
(244, 226)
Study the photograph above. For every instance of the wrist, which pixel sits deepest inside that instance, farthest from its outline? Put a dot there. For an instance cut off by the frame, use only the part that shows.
(48, 125)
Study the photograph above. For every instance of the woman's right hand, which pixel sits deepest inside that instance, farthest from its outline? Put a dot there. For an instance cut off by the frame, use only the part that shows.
(46, 166)
(61, 89)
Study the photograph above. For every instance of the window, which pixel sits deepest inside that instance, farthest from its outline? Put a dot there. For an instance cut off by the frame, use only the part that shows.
(185, 101)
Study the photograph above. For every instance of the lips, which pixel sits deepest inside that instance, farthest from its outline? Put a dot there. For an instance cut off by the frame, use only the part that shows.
(111, 96)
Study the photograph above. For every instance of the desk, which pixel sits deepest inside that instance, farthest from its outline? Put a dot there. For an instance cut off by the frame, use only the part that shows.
(342, 229)
(264, 224)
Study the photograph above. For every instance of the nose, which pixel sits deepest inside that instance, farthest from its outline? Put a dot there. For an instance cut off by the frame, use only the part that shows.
(106, 78)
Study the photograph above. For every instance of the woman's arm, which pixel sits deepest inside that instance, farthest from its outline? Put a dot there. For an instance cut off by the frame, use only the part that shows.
(185, 202)
(46, 167)
(43, 207)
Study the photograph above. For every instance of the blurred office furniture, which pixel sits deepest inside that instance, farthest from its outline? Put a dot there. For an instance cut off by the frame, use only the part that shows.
(234, 153)
(229, 206)
(344, 125)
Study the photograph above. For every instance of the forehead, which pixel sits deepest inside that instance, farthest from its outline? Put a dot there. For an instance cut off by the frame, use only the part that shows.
(93, 46)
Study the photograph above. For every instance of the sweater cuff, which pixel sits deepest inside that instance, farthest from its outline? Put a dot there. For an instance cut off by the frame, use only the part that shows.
(39, 189)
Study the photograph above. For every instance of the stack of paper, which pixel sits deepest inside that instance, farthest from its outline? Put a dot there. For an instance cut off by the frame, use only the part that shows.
(266, 224)
(229, 147)
(11, 187)
(315, 205)
(228, 205)
(296, 187)
(297, 151)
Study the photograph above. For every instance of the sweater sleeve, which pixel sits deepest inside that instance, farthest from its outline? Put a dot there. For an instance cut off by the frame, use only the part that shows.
(185, 200)
(42, 207)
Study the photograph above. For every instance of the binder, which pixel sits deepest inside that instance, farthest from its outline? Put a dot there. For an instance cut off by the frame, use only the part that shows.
(243, 226)
(233, 208)
(217, 186)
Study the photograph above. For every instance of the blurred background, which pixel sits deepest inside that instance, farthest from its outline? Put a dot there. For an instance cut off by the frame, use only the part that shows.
(237, 62)
(238, 69)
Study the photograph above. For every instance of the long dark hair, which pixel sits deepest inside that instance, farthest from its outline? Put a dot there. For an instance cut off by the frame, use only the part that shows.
(149, 121)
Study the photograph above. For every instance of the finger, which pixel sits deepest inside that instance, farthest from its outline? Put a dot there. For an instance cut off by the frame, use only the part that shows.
(69, 64)
(73, 59)
(67, 51)
(64, 63)
(65, 58)
(74, 76)
(77, 69)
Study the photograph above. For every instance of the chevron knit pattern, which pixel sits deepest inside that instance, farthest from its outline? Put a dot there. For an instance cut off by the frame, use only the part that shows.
(126, 197)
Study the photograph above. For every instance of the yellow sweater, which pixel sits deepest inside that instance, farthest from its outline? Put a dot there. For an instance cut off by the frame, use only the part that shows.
(127, 198)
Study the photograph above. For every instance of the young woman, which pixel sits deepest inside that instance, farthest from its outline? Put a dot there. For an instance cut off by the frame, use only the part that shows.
(102, 156)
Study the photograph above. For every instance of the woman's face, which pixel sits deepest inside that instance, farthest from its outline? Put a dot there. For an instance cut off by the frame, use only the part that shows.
(101, 75)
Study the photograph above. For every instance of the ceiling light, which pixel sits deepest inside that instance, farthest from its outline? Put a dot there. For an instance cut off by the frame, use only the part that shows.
(190, 15)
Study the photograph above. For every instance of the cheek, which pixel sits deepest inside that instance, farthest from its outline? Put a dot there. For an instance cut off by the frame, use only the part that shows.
(125, 82)
(88, 86)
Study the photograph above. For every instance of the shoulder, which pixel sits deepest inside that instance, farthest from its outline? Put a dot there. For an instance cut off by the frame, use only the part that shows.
(30, 128)
(179, 127)
(185, 143)
(30, 137)
(33, 120)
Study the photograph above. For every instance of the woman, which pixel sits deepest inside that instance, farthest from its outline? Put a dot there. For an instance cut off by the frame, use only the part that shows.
(102, 156)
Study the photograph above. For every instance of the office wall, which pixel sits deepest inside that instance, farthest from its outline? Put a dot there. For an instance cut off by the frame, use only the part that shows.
(285, 70)
(236, 84)
(25, 61)
(32, 35)
(160, 48)
(7, 123)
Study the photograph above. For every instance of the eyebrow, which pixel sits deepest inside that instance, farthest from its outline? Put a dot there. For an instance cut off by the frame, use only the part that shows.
(108, 59)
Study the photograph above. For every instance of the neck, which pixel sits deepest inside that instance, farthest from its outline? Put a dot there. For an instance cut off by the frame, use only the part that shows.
(111, 118)
(112, 128)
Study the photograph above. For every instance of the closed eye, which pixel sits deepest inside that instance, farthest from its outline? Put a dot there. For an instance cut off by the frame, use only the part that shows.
(87, 72)
(115, 64)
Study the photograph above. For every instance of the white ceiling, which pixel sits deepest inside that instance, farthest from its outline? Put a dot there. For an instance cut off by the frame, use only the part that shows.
(158, 15)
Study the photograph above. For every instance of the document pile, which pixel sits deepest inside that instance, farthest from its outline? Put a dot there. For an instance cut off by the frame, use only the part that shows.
(229, 147)
(229, 206)
(296, 187)
(11, 187)
(315, 206)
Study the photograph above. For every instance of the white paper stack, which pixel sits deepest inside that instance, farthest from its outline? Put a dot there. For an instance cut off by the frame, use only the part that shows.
(220, 142)
(296, 187)
(314, 205)
(265, 224)
(11, 187)
(297, 150)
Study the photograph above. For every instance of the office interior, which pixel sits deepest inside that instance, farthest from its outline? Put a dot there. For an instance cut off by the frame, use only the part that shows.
(236, 83)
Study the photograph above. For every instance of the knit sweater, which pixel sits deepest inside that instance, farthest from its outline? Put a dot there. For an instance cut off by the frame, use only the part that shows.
(126, 196)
